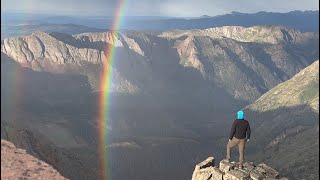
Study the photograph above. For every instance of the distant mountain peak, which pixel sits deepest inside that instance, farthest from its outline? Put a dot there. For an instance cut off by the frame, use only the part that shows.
(235, 12)
(205, 16)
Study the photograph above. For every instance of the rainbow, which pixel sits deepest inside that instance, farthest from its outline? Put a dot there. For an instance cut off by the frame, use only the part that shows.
(104, 98)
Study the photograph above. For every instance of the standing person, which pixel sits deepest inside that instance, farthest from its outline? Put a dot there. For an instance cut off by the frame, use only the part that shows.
(239, 135)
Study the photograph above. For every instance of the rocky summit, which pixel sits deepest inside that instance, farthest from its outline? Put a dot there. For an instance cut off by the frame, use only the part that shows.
(17, 164)
(207, 170)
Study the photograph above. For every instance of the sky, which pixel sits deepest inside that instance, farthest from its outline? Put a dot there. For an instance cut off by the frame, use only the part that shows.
(172, 8)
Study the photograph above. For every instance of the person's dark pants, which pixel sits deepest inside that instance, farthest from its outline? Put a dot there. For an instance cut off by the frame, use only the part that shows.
(241, 145)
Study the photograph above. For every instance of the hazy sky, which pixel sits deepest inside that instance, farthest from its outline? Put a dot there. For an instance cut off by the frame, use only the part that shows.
(186, 8)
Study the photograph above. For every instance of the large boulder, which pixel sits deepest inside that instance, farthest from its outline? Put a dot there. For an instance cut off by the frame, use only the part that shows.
(206, 170)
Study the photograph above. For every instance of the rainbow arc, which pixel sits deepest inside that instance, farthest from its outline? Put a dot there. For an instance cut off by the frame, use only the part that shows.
(105, 87)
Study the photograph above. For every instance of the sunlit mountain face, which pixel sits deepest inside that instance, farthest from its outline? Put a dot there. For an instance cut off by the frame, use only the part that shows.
(148, 97)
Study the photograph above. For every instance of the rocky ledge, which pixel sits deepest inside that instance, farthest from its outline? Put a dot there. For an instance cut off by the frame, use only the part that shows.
(207, 170)
(17, 164)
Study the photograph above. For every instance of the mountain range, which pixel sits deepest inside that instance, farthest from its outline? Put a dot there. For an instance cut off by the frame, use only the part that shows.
(17, 24)
(27, 29)
(227, 58)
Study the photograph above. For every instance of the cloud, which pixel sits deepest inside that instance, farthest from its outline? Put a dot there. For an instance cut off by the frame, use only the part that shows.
(157, 7)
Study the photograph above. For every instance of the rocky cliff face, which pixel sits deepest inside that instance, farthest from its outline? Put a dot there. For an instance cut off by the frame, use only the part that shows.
(207, 170)
(17, 164)
(246, 62)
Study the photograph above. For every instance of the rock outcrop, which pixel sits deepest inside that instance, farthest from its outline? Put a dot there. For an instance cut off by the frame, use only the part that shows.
(207, 170)
(17, 164)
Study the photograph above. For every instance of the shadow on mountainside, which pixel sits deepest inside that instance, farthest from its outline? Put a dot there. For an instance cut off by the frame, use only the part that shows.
(31, 104)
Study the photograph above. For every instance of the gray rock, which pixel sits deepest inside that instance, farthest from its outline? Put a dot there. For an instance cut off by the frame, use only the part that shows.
(244, 170)
(203, 174)
(206, 163)
(267, 171)
(256, 175)
(226, 166)
(206, 171)
(236, 175)
(249, 166)
(209, 173)
(217, 174)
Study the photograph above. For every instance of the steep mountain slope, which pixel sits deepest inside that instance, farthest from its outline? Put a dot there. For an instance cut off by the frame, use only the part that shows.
(301, 89)
(286, 125)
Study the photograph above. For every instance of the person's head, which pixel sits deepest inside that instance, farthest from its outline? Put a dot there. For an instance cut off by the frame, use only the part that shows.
(240, 115)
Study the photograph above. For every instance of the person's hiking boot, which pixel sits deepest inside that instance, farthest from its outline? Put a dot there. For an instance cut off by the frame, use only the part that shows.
(226, 160)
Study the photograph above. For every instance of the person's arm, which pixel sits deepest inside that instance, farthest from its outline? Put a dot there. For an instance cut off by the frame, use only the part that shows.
(248, 132)
(233, 130)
